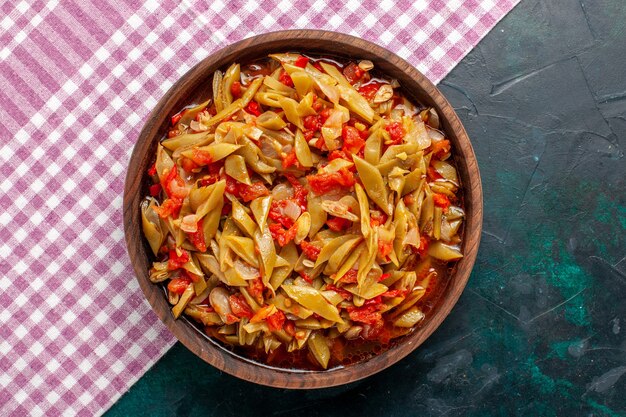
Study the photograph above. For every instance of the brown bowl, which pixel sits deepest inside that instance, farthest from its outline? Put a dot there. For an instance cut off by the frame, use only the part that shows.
(194, 87)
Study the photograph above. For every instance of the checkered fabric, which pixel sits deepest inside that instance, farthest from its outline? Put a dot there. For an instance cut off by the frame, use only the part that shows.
(77, 81)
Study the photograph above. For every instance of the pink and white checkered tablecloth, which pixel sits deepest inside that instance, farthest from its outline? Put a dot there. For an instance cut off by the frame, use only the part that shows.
(77, 81)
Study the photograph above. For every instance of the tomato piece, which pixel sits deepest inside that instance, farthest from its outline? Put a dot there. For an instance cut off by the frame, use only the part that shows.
(352, 141)
(310, 251)
(365, 133)
(384, 277)
(378, 217)
(263, 313)
(243, 191)
(254, 108)
(384, 248)
(250, 192)
(286, 79)
(290, 159)
(168, 207)
(172, 176)
(152, 170)
(282, 235)
(323, 183)
(338, 224)
(368, 91)
(396, 131)
(216, 167)
(201, 157)
(301, 61)
(193, 277)
(440, 148)
(313, 122)
(275, 321)
(176, 118)
(345, 294)
(350, 277)
(290, 328)
(424, 242)
(197, 237)
(305, 277)
(178, 285)
(255, 289)
(235, 89)
(239, 306)
(231, 318)
(353, 73)
(320, 144)
(175, 261)
(232, 186)
(432, 174)
(324, 115)
(299, 191)
(317, 105)
(368, 314)
(441, 200)
(338, 154)
(211, 179)
(276, 213)
(394, 293)
(155, 190)
(376, 301)
(227, 208)
(188, 165)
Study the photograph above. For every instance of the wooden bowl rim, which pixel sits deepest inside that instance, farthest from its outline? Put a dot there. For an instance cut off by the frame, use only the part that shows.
(244, 368)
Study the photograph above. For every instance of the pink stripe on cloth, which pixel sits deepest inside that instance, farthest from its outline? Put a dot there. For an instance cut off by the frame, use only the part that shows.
(77, 81)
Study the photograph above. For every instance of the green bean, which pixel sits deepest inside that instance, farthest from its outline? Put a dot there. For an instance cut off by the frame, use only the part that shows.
(341, 254)
(271, 120)
(151, 224)
(303, 152)
(302, 82)
(277, 86)
(409, 318)
(331, 247)
(231, 75)
(373, 146)
(289, 253)
(374, 184)
(313, 300)
(305, 107)
(235, 166)
(244, 248)
(191, 113)
(444, 252)
(290, 106)
(183, 301)
(260, 210)
(266, 252)
(242, 219)
(186, 140)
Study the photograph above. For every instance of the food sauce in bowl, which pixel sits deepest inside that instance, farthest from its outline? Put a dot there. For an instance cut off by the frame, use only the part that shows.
(304, 153)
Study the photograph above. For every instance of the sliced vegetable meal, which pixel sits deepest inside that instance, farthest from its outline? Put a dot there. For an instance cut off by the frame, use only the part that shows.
(306, 214)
